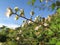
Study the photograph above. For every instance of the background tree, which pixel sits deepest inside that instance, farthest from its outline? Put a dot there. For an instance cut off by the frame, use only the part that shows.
(49, 4)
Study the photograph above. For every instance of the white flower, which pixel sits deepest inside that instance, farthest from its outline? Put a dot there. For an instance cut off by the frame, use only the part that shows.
(21, 12)
(17, 38)
(23, 24)
(49, 18)
(16, 9)
(22, 35)
(36, 28)
(46, 19)
(35, 19)
(30, 22)
(16, 17)
(45, 24)
(20, 31)
(32, 13)
(1, 43)
(9, 12)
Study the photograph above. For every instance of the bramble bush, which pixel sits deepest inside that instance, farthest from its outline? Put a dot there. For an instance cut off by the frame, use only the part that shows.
(40, 31)
(46, 32)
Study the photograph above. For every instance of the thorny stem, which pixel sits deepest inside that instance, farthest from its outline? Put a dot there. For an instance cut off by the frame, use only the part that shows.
(25, 18)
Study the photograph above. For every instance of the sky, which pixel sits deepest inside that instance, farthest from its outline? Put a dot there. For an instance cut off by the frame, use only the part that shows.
(4, 4)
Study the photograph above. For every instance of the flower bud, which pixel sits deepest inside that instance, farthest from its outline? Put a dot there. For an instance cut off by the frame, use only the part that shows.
(36, 19)
(16, 17)
(32, 13)
(24, 23)
(21, 12)
(9, 12)
(49, 18)
(17, 38)
(37, 27)
(45, 24)
(20, 31)
(29, 22)
(16, 9)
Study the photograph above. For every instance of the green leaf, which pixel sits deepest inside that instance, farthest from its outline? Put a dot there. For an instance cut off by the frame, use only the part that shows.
(16, 9)
(33, 1)
(53, 40)
(12, 43)
(58, 43)
(53, 6)
(41, 0)
(58, 10)
(49, 33)
(29, 3)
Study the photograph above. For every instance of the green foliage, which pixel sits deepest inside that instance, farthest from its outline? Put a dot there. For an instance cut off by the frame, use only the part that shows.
(33, 34)
(53, 6)
(11, 43)
(42, 6)
(58, 43)
(53, 41)
(58, 10)
(31, 2)
(41, 0)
